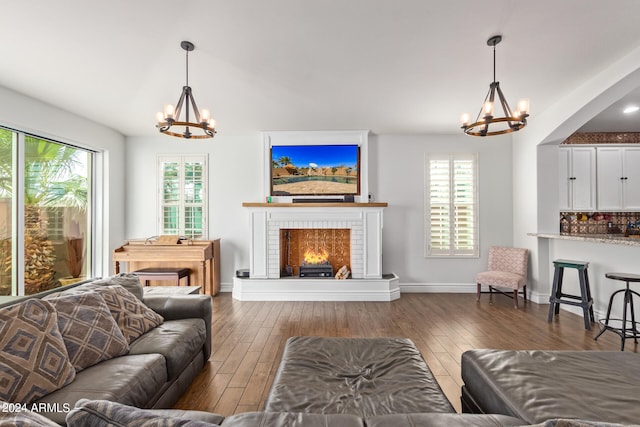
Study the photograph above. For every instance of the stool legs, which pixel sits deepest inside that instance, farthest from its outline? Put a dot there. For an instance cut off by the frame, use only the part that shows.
(586, 302)
(623, 331)
(556, 292)
(585, 292)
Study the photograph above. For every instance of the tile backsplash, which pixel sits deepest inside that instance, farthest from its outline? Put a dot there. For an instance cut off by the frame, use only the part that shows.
(596, 222)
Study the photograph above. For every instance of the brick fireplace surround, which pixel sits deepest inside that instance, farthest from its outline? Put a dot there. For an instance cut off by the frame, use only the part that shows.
(365, 222)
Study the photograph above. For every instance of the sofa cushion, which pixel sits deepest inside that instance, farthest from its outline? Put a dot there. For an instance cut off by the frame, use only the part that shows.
(132, 316)
(538, 385)
(559, 422)
(33, 358)
(103, 413)
(290, 419)
(134, 380)
(179, 341)
(448, 420)
(89, 331)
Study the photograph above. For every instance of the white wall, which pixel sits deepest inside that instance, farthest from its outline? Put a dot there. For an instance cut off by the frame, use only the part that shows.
(396, 176)
(27, 114)
(235, 176)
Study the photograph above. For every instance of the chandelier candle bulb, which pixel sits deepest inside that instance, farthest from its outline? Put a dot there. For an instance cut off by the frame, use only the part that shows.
(488, 108)
(159, 117)
(169, 111)
(465, 119)
(205, 116)
(523, 106)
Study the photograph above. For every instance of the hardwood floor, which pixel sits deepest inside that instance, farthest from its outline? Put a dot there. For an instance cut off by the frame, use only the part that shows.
(248, 338)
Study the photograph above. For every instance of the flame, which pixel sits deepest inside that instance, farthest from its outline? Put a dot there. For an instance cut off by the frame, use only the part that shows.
(313, 257)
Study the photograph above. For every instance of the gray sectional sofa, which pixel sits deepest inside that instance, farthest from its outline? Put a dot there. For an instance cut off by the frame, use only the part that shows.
(536, 385)
(161, 357)
(338, 382)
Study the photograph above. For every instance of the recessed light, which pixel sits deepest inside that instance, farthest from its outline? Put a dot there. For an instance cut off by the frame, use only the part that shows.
(631, 109)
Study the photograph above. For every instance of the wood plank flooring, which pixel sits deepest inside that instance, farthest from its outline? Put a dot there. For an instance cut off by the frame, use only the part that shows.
(248, 338)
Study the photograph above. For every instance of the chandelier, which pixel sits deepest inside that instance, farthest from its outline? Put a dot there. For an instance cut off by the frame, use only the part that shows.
(487, 123)
(169, 121)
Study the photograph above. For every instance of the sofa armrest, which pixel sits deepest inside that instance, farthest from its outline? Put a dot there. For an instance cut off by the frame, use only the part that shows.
(174, 307)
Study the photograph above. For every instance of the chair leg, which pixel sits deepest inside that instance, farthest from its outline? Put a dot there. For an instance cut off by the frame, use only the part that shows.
(478, 293)
(490, 294)
(524, 291)
(515, 298)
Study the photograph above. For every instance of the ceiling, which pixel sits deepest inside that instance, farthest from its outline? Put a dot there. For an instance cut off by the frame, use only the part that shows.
(391, 66)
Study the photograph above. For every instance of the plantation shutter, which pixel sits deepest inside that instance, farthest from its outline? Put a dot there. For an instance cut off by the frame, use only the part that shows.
(182, 196)
(451, 205)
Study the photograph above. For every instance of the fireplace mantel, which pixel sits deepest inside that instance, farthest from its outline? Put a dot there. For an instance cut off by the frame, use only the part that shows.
(365, 220)
(315, 205)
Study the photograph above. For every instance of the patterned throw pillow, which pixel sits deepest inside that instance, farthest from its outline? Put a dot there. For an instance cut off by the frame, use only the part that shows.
(10, 416)
(129, 281)
(90, 333)
(33, 358)
(132, 316)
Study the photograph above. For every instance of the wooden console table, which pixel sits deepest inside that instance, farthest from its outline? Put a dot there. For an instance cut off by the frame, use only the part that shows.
(201, 256)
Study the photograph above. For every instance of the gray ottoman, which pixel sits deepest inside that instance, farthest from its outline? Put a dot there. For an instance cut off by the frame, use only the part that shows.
(358, 376)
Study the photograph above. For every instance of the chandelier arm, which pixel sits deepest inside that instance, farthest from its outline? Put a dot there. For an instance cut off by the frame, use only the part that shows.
(196, 112)
(505, 106)
(178, 109)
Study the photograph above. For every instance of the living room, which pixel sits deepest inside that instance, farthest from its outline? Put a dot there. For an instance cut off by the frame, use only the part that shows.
(403, 73)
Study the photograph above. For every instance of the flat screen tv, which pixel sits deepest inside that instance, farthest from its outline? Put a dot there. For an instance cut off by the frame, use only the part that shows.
(315, 170)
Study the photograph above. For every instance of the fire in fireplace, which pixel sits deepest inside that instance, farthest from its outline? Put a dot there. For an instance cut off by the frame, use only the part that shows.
(316, 264)
(314, 252)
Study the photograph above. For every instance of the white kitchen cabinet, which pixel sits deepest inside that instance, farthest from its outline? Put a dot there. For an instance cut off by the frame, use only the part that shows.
(618, 178)
(577, 174)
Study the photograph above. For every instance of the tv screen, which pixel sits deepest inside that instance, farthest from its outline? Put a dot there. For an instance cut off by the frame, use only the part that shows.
(313, 170)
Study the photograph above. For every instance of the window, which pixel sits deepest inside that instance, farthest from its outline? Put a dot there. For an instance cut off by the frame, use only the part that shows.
(45, 207)
(182, 196)
(451, 205)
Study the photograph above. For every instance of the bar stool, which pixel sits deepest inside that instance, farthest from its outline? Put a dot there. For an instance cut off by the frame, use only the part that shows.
(623, 331)
(160, 273)
(584, 300)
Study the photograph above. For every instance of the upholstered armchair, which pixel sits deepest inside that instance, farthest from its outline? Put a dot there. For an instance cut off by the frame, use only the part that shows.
(507, 269)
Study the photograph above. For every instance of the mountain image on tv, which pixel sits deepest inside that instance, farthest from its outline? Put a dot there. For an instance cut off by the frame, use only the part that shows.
(298, 170)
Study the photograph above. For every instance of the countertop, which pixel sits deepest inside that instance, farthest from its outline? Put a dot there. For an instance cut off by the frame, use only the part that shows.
(613, 239)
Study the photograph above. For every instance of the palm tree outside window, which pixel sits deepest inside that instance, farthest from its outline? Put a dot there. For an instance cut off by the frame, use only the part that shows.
(45, 180)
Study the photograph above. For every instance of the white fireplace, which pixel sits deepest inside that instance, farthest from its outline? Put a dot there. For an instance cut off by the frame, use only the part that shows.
(364, 222)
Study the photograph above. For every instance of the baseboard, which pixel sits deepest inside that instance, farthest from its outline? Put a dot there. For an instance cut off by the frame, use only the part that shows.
(226, 287)
(437, 288)
(460, 288)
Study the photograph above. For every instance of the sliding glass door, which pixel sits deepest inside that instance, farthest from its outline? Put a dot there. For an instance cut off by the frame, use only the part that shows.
(45, 208)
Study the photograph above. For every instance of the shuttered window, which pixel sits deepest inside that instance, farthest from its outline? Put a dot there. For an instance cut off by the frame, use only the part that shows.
(182, 196)
(451, 205)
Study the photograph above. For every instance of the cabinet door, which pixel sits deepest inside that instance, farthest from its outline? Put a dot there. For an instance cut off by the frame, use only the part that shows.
(631, 183)
(610, 178)
(564, 176)
(583, 174)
